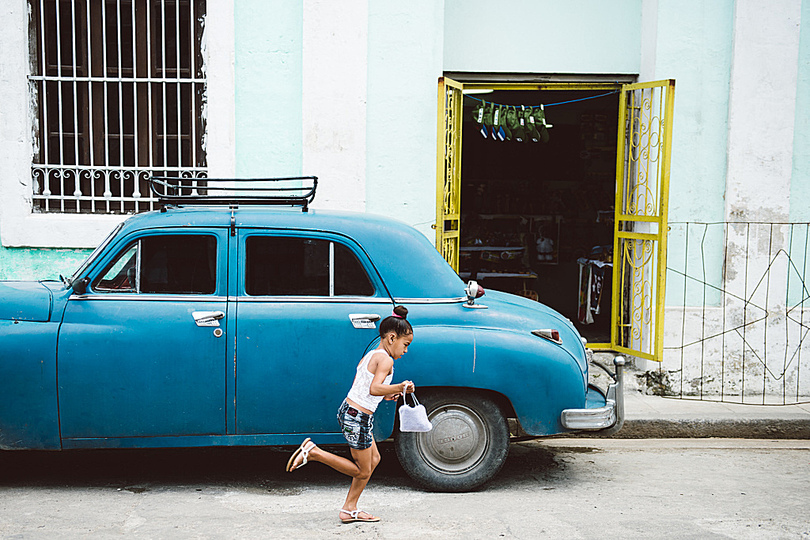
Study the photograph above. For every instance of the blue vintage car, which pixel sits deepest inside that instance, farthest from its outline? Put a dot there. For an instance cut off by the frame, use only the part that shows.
(211, 325)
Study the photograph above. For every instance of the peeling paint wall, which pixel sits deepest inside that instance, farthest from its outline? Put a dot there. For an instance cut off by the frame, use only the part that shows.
(39, 264)
(749, 337)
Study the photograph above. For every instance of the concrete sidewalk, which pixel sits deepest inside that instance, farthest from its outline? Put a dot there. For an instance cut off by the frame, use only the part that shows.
(648, 417)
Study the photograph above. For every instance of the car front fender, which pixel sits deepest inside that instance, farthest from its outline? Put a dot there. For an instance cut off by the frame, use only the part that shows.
(539, 378)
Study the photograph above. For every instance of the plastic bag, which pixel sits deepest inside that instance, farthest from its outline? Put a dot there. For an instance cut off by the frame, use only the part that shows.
(413, 418)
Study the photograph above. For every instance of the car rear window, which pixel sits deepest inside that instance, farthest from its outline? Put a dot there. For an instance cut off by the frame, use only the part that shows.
(296, 266)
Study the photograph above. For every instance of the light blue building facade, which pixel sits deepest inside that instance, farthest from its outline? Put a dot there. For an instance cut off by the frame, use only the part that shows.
(348, 92)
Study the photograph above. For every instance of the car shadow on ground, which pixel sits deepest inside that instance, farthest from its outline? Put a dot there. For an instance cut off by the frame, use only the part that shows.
(140, 470)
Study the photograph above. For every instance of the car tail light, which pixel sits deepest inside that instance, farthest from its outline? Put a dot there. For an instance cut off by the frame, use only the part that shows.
(549, 334)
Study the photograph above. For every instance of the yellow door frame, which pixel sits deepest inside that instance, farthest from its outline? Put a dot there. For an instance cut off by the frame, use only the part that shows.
(448, 170)
(448, 207)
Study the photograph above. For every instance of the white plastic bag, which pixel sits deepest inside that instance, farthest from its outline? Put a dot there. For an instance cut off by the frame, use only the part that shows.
(413, 418)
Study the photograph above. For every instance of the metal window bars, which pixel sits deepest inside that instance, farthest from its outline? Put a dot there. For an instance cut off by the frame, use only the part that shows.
(119, 93)
(287, 191)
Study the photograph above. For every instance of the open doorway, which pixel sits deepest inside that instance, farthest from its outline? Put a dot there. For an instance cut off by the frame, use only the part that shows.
(537, 218)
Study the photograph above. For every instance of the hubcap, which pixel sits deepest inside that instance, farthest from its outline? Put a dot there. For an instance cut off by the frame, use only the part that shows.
(457, 441)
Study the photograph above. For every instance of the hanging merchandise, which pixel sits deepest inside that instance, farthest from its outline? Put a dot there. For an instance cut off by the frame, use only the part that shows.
(495, 128)
(514, 125)
(539, 115)
(591, 283)
(498, 121)
(505, 122)
(521, 117)
(478, 116)
(531, 128)
(487, 119)
(508, 123)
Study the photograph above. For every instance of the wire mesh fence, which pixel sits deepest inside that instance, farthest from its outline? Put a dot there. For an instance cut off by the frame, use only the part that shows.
(736, 317)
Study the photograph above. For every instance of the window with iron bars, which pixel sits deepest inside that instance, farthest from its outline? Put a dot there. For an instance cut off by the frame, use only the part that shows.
(119, 91)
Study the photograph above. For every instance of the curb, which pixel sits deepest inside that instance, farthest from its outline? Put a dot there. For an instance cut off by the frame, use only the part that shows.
(726, 428)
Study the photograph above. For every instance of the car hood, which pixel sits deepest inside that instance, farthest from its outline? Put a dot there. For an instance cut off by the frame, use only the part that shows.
(25, 301)
(517, 312)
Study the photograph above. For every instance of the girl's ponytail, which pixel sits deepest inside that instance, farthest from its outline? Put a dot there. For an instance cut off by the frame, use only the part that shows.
(397, 323)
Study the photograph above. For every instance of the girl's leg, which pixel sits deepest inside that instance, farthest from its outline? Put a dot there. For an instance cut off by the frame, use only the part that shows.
(366, 460)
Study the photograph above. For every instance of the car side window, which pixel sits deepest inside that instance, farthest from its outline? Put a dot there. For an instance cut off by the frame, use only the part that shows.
(296, 266)
(121, 275)
(166, 264)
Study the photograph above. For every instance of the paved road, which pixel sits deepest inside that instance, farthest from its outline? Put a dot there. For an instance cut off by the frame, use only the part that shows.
(561, 488)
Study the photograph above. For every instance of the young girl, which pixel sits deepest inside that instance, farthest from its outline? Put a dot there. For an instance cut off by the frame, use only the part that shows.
(372, 384)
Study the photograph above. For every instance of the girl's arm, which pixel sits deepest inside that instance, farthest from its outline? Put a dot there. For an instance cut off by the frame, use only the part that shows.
(381, 371)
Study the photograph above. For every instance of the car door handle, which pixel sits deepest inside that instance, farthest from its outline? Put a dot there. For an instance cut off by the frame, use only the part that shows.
(364, 320)
(207, 318)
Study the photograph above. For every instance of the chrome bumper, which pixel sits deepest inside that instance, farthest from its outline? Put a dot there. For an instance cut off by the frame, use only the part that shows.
(609, 418)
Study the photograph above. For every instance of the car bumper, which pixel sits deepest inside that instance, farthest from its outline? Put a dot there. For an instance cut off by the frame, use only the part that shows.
(607, 418)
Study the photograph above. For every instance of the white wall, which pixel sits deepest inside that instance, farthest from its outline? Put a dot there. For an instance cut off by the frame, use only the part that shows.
(335, 60)
(582, 36)
(755, 320)
(405, 62)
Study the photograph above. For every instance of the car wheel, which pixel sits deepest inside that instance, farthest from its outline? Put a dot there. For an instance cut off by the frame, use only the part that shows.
(467, 446)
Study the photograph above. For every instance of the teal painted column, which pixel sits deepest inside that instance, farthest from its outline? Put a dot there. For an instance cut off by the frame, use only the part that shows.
(800, 177)
(693, 45)
(268, 81)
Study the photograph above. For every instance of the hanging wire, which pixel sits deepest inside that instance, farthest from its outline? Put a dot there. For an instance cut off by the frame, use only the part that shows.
(547, 104)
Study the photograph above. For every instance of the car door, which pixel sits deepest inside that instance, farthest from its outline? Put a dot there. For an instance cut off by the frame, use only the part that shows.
(142, 352)
(308, 306)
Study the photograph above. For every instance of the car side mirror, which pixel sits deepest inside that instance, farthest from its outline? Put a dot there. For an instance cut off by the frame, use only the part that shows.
(80, 286)
(474, 291)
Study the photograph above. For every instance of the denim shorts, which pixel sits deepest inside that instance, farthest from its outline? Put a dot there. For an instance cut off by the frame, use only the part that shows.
(357, 426)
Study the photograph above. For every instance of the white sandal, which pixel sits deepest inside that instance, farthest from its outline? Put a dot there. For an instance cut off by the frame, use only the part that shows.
(356, 517)
(303, 450)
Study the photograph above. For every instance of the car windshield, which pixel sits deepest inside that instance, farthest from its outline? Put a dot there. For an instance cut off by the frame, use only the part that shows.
(96, 253)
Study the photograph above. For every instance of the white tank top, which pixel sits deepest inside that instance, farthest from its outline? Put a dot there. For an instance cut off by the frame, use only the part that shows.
(359, 392)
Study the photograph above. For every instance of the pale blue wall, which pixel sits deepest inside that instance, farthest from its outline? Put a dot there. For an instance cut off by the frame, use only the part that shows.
(268, 81)
(694, 47)
(546, 36)
(37, 264)
(800, 180)
(404, 63)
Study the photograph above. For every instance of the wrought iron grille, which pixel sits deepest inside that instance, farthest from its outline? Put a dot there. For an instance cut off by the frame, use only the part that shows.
(448, 213)
(737, 312)
(119, 90)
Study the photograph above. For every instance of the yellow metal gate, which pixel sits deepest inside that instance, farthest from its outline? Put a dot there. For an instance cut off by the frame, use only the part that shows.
(448, 196)
(640, 239)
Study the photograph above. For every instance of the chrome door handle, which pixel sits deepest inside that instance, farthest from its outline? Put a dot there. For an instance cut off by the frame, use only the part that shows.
(364, 320)
(207, 318)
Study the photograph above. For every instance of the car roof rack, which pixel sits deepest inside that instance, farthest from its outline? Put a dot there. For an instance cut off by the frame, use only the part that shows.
(288, 191)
